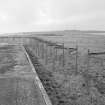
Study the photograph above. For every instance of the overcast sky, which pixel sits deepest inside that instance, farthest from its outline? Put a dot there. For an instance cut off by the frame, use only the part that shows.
(39, 15)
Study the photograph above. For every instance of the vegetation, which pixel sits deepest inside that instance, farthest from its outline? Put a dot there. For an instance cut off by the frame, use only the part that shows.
(64, 87)
(62, 84)
(17, 85)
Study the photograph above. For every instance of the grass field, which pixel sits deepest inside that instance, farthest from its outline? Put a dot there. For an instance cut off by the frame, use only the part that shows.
(61, 83)
(63, 86)
(17, 84)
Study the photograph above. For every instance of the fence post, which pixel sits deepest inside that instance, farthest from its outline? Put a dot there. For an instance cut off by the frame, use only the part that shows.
(16, 91)
(56, 53)
(63, 56)
(43, 50)
(35, 47)
(53, 62)
(46, 56)
(60, 63)
(38, 49)
(50, 51)
(76, 60)
(86, 73)
(88, 60)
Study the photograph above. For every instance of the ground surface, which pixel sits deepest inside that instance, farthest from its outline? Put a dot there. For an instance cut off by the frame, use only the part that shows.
(61, 84)
(17, 85)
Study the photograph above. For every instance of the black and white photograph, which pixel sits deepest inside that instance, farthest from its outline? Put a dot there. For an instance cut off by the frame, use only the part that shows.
(52, 52)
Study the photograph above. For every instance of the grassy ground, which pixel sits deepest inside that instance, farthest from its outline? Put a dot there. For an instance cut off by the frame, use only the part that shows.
(66, 88)
(18, 91)
(17, 85)
(61, 84)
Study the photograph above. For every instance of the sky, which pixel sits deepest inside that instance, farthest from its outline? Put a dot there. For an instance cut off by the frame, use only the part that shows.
(46, 15)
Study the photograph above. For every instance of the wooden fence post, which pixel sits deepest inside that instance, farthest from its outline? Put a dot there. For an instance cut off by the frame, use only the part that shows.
(53, 63)
(42, 50)
(38, 49)
(16, 91)
(56, 53)
(86, 73)
(63, 56)
(88, 60)
(46, 55)
(76, 60)
(50, 51)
